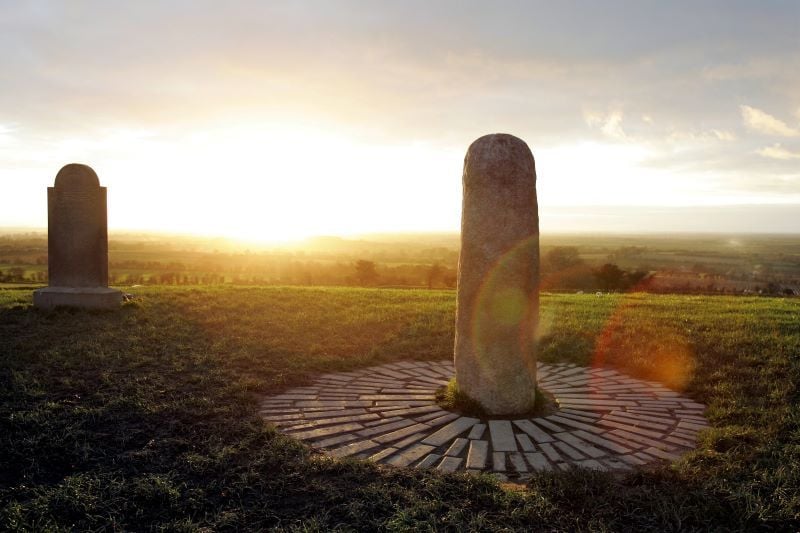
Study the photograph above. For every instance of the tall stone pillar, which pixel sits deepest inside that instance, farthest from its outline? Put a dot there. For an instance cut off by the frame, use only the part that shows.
(498, 276)
(77, 243)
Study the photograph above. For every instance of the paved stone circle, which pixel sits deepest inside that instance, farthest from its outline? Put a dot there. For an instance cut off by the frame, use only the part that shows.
(605, 420)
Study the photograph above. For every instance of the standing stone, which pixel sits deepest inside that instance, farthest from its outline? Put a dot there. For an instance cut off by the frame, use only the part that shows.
(498, 276)
(77, 243)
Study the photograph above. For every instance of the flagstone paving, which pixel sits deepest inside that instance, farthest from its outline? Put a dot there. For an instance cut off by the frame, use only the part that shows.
(605, 420)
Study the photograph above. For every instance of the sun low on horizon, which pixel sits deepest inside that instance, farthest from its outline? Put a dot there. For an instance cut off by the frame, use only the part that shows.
(271, 122)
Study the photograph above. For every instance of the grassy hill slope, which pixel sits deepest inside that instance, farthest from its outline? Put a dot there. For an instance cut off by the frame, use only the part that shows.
(145, 418)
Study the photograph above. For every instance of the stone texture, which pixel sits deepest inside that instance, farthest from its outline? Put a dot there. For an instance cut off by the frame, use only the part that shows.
(502, 436)
(498, 276)
(477, 431)
(409, 456)
(499, 461)
(429, 461)
(456, 447)
(450, 464)
(84, 297)
(452, 430)
(531, 429)
(538, 461)
(77, 243)
(518, 462)
(478, 451)
(525, 442)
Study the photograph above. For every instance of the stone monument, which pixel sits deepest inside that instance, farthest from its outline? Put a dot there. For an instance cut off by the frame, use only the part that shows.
(498, 276)
(77, 243)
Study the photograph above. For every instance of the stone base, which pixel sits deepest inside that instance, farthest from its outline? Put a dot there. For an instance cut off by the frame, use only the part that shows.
(605, 420)
(83, 297)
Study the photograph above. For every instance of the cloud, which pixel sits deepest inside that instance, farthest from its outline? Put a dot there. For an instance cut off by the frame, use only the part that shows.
(705, 136)
(762, 122)
(6, 135)
(610, 124)
(724, 135)
(401, 73)
(777, 151)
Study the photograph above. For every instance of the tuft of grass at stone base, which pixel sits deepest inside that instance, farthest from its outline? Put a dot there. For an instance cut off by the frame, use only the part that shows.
(452, 398)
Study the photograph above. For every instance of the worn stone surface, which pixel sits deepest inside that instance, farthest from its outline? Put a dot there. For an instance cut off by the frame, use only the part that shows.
(498, 276)
(77, 242)
(85, 297)
(598, 424)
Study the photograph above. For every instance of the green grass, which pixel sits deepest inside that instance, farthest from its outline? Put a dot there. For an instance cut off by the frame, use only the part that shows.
(145, 418)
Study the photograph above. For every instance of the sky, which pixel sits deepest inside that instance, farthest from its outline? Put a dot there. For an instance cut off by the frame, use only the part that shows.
(278, 120)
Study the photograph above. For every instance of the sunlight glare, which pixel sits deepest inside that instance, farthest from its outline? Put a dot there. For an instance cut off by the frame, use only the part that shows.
(279, 184)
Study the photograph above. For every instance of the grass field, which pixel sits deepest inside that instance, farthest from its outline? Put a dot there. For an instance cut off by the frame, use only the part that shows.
(145, 418)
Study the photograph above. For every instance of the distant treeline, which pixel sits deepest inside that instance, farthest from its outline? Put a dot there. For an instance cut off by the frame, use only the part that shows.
(282, 271)
(751, 265)
(562, 269)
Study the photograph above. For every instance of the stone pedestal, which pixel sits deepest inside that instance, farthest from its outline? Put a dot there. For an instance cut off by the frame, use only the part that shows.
(85, 297)
(498, 276)
(77, 243)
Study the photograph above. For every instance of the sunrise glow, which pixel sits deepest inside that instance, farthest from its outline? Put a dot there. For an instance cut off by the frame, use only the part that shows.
(273, 122)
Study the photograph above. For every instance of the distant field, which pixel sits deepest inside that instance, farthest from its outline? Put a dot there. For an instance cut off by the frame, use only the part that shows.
(768, 264)
(145, 418)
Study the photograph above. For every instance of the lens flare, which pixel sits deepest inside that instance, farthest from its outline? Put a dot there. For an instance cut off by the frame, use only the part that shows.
(505, 313)
(637, 339)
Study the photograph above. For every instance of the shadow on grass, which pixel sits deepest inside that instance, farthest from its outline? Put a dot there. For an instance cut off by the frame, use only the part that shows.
(145, 418)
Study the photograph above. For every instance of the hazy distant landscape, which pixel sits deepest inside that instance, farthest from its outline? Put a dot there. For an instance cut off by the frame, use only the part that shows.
(687, 263)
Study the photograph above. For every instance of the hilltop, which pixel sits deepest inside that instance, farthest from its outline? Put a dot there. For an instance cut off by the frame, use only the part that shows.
(146, 417)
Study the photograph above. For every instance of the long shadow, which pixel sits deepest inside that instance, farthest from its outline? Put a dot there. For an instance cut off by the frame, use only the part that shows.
(133, 414)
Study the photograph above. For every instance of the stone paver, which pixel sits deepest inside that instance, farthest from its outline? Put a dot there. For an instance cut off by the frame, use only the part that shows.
(502, 436)
(429, 460)
(499, 461)
(477, 431)
(478, 451)
(538, 461)
(571, 452)
(605, 420)
(456, 447)
(409, 456)
(452, 430)
(411, 439)
(385, 428)
(533, 430)
(450, 464)
(518, 462)
(400, 433)
(352, 449)
(525, 442)
(334, 441)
